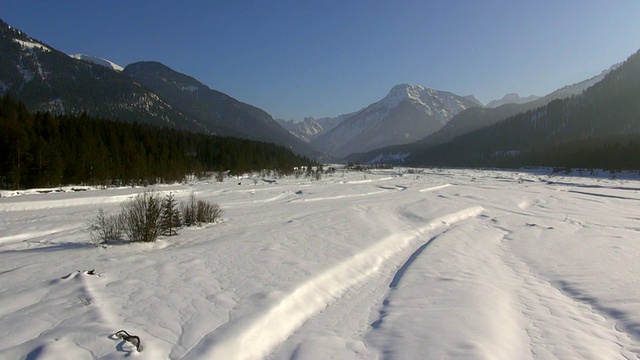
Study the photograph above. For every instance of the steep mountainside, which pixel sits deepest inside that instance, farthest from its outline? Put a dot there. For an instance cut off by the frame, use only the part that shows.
(564, 92)
(48, 80)
(98, 61)
(408, 113)
(477, 118)
(215, 110)
(609, 108)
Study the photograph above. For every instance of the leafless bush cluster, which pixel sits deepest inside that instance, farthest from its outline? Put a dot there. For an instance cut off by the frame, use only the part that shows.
(147, 216)
(106, 228)
(197, 212)
(142, 217)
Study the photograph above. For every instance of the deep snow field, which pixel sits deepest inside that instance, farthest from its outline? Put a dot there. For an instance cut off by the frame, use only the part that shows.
(439, 264)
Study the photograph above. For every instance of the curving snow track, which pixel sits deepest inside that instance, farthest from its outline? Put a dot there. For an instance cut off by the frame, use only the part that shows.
(255, 336)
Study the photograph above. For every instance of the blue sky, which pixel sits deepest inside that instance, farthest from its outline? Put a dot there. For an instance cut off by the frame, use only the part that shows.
(324, 58)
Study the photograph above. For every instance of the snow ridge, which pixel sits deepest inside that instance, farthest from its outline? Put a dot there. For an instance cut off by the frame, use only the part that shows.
(32, 45)
(98, 61)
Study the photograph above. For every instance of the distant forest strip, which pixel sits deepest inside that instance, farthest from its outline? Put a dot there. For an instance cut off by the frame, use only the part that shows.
(42, 150)
(610, 152)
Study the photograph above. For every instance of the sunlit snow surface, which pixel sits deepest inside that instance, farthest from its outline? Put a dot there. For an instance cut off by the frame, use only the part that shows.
(439, 264)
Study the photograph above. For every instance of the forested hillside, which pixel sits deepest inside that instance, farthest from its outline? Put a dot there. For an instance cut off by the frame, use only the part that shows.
(44, 150)
(597, 129)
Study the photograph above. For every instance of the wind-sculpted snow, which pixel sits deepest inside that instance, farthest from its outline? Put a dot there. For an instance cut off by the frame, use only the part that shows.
(254, 337)
(393, 264)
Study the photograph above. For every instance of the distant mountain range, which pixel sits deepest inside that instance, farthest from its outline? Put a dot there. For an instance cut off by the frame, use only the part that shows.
(603, 117)
(408, 113)
(48, 80)
(581, 115)
(412, 124)
(511, 98)
(423, 118)
(310, 128)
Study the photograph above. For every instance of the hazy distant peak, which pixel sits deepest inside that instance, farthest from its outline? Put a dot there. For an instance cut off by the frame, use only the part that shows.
(512, 98)
(578, 88)
(98, 61)
(474, 99)
(409, 90)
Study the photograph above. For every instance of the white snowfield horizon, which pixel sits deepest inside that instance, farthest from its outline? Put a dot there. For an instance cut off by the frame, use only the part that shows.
(387, 264)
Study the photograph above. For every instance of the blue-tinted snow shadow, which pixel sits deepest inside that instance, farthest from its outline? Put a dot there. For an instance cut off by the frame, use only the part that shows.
(398, 277)
(623, 320)
(50, 248)
(403, 269)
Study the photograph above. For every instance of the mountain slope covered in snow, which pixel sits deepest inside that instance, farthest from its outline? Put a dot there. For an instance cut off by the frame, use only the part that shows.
(408, 113)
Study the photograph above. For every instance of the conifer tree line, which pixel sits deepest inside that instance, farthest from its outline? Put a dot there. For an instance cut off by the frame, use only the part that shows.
(41, 150)
(612, 153)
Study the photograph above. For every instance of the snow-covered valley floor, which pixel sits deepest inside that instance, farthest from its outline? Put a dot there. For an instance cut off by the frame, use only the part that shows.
(442, 264)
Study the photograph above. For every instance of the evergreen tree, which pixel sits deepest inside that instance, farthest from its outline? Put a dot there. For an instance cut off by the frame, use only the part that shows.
(170, 218)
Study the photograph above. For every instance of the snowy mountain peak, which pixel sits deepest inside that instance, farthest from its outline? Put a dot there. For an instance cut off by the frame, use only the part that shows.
(578, 88)
(405, 91)
(429, 100)
(474, 99)
(408, 113)
(409, 89)
(98, 61)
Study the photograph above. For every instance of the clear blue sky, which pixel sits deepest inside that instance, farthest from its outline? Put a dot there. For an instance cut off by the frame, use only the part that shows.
(324, 58)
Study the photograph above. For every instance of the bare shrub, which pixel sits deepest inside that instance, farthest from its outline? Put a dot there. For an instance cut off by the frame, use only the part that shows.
(188, 211)
(142, 217)
(146, 217)
(207, 212)
(106, 228)
(198, 212)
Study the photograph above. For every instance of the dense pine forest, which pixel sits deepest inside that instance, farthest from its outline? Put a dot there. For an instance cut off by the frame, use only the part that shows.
(41, 150)
(611, 152)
